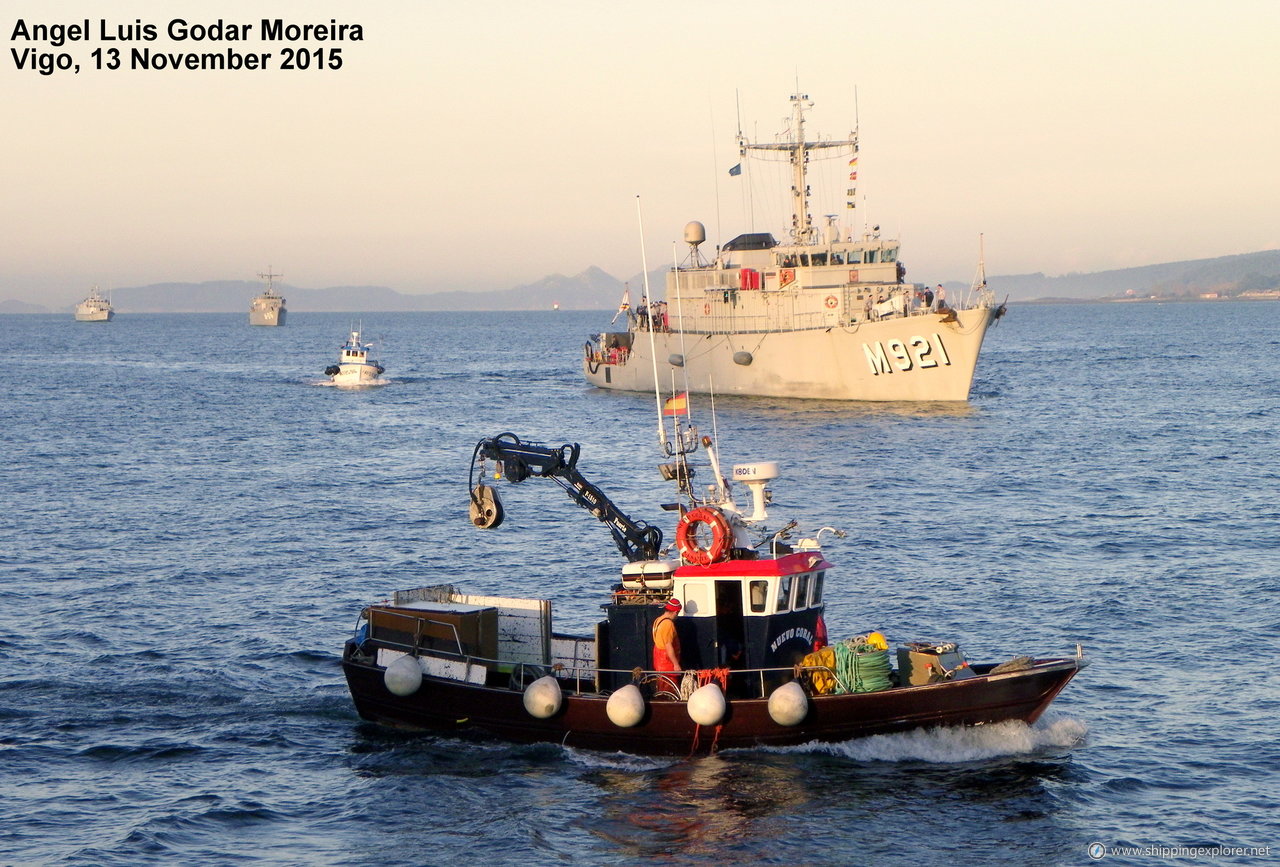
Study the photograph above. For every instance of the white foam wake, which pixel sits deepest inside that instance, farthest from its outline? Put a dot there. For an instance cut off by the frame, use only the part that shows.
(954, 745)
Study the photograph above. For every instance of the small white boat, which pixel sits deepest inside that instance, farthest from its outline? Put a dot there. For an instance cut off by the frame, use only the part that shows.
(356, 365)
(95, 308)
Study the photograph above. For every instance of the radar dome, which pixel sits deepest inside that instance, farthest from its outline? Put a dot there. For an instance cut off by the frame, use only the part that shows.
(694, 233)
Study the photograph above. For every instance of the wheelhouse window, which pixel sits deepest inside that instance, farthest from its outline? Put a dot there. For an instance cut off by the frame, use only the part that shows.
(759, 592)
(817, 587)
(802, 591)
(784, 594)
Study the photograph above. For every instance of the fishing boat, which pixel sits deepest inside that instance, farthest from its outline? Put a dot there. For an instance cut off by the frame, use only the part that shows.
(268, 308)
(95, 308)
(356, 365)
(825, 314)
(749, 665)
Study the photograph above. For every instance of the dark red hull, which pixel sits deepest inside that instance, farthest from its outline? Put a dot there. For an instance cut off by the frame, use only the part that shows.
(667, 729)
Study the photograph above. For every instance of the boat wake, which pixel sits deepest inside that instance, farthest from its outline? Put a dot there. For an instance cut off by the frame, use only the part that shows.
(957, 745)
(372, 383)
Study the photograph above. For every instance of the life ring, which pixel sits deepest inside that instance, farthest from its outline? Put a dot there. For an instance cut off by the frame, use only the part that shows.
(688, 544)
(831, 302)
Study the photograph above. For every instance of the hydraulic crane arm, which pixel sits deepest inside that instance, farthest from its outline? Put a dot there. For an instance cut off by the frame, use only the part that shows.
(636, 540)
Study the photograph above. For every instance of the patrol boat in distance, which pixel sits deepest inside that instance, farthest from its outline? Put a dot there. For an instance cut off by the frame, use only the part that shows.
(267, 308)
(825, 315)
(95, 308)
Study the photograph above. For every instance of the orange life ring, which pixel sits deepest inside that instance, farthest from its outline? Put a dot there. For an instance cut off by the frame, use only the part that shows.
(831, 302)
(720, 536)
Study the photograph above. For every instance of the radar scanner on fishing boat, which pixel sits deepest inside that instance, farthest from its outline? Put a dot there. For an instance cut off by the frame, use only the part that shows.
(755, 476)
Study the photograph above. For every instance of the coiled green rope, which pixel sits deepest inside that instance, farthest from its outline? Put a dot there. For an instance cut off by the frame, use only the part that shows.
(861, 668)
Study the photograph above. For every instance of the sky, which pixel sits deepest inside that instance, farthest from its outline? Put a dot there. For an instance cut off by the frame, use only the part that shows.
(481, 146)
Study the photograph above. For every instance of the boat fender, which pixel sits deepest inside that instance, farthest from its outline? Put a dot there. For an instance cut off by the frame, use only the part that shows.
(404, 676)
(675, 359)
(743, 358)
(625, 707)
(707, 705)
(542, 698)
(686, 539)
(788, 705)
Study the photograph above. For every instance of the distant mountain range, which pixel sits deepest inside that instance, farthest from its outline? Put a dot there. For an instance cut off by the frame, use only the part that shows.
(1224, 276)
(593, 289)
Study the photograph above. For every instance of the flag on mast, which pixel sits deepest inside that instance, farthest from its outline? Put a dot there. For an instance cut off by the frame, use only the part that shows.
(623, 306)
(678, 405)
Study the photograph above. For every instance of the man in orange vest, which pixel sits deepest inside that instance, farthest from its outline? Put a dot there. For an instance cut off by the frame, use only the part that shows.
(666, 644)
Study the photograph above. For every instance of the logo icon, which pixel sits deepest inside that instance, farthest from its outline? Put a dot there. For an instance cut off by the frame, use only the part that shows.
(1097, 851)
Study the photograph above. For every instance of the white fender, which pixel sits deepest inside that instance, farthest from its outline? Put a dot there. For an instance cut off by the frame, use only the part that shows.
(404, 676)
(707, 705)
(626, 707)
(542, 698)
(788, 705)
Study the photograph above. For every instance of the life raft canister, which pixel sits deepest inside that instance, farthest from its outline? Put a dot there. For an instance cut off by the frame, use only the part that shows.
(687, 542)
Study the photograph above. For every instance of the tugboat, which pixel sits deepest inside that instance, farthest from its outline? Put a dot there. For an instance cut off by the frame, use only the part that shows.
(356, 365)
(95, 308)
(751, 665)
(827, 314)
(268, 308)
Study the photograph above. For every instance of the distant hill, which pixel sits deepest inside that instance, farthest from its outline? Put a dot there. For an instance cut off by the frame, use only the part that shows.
(593, 289)
(1226, 275)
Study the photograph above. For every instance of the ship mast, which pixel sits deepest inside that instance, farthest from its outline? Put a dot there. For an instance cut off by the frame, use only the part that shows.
(269, 277)
(797, 149)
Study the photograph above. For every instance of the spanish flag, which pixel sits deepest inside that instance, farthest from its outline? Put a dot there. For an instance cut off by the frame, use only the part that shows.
(678, 405)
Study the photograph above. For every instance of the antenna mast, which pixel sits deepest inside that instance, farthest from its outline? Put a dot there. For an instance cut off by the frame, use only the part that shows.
(797, 150)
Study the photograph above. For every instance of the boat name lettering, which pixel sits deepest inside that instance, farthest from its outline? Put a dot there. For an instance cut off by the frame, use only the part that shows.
(788, 634)
(917, 351)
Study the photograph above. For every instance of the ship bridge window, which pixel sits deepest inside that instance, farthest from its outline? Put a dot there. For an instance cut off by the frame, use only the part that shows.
(817, 587)
(784, 594)
(890, 255)
(870, 257)
(802, 591)
(759, 591)
(837, 258)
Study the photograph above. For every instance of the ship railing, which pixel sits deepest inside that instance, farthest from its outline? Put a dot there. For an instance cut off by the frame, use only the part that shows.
(737, 323)
(575, 678)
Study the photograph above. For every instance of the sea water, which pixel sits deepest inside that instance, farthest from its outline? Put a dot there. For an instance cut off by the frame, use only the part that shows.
(192, 523)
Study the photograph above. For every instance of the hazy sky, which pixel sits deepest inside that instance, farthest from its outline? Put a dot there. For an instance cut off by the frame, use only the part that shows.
(484, 145)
